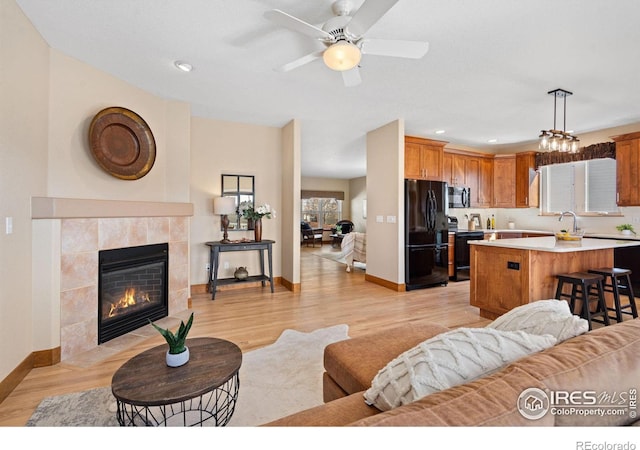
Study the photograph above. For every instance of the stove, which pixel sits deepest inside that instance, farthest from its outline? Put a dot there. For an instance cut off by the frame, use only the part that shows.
(462, 255)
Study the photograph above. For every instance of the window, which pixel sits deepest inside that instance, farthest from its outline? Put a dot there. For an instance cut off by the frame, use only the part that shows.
(586, 187)
(600, 192)
(320, 211)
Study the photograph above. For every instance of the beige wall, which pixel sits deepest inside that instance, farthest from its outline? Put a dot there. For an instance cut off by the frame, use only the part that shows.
(78, 93)
(232, 148)
(291, 152)
(385, 199)
(358, 196)
(24, 90)
(48, 100)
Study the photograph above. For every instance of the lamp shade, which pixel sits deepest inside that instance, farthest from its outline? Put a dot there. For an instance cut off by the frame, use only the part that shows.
(224, 205)
(342, 56)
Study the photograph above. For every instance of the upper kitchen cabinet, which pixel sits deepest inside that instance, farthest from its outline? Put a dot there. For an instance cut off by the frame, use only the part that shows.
(526, 180)
(463, 168)
(504, 181)
(454, 169)
(628, 165)
(423, 158)
(485, 183)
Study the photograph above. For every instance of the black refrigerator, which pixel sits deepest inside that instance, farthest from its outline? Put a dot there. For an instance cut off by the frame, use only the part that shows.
(426, 234)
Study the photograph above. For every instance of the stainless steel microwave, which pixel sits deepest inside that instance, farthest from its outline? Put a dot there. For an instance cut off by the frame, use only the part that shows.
(459, 197)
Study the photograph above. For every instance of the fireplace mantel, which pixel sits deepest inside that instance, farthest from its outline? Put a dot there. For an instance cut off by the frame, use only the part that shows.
(76, 208)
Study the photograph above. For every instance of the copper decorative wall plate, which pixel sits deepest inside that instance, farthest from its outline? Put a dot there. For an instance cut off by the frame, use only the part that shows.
(122, 143)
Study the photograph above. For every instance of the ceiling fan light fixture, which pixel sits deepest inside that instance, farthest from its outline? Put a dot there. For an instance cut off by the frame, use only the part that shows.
(342, 56)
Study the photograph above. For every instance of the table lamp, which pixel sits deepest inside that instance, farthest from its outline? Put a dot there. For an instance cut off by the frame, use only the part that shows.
(224, 206)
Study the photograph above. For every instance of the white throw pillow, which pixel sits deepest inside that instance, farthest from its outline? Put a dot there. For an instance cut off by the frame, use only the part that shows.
(449, 359)
(543, 317)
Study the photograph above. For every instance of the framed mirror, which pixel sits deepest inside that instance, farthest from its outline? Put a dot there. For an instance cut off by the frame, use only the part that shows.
(242, 188)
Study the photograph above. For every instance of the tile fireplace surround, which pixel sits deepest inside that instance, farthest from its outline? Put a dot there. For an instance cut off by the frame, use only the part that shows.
(76, 230)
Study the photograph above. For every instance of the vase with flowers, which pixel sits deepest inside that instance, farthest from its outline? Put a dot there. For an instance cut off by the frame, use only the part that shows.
(256, 214)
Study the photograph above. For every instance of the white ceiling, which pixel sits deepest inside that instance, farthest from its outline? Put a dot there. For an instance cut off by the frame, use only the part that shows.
(486, 75)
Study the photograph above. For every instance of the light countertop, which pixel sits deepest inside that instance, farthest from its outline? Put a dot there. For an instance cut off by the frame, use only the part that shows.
(549, 244)
(613, 235)
(508, 230)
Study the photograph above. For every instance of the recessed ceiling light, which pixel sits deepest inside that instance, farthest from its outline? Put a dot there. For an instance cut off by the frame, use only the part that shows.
(439, 131)
(184, 66)
(492, 141)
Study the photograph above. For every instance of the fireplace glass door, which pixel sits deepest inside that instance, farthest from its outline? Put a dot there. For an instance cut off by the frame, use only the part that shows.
(133, 289)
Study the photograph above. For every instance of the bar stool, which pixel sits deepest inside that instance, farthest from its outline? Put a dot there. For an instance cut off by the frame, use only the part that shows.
(581, 284)
(618, 281)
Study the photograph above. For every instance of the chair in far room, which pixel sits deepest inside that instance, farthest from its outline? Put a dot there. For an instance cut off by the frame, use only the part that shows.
(346, 227)
(309, 234)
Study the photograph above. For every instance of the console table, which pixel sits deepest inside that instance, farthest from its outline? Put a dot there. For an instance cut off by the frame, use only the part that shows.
(201, 392)
(217, 247)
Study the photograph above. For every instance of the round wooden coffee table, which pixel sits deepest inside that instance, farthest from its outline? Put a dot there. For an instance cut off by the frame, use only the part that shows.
(201, 392)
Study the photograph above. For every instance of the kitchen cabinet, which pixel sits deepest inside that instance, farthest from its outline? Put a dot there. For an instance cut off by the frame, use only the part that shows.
(485, 182)
(461, 169)
(627, 169)
(472, 178)
(526, 180)
(504, 181)
(448, 170)
(501, 181)
(454, 169)
(507, 275)
(509, 234)
(423, 158)
(537, 234)
(452, 252)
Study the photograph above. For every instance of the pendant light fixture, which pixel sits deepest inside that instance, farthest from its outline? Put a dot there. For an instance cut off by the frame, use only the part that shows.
(554, 139)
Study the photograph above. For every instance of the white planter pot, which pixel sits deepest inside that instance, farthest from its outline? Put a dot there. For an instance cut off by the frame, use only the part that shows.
(626, 232)
(179, 359)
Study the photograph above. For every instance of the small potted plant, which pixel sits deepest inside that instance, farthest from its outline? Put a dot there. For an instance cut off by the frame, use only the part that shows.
(625, 228)
(178, 353)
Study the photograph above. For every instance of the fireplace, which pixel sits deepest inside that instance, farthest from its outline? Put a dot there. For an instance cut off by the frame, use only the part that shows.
(132, 288)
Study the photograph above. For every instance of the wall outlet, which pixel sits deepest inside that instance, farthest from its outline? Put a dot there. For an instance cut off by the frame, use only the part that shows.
(207, 267)
(635, 219)
(226, 264)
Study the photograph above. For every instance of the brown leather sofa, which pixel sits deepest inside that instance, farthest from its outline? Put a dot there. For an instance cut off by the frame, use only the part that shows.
(605, 360)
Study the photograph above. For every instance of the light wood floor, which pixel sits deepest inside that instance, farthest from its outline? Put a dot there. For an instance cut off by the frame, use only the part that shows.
(254, 317)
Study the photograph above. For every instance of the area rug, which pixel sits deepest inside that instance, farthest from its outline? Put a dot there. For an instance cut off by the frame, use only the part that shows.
(333, 256)
(275, 381)
(339, 258)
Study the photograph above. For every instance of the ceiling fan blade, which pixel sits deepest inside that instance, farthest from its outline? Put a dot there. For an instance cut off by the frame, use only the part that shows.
(351, 77)
(369, 13)
(397, 48)
(295, 24)
(306, 59)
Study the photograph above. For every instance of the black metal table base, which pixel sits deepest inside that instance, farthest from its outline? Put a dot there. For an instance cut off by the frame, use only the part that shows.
(213, 408)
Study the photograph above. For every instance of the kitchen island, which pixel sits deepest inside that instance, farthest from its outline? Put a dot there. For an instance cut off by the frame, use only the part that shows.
(507, 273)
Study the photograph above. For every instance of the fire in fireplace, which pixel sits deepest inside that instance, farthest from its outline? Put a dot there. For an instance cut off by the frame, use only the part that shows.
(132, 288)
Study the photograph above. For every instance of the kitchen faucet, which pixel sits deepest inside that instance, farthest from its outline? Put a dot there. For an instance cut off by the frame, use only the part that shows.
(575, 220)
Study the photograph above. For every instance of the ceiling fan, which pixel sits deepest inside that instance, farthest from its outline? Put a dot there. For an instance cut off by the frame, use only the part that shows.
(343, 37)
